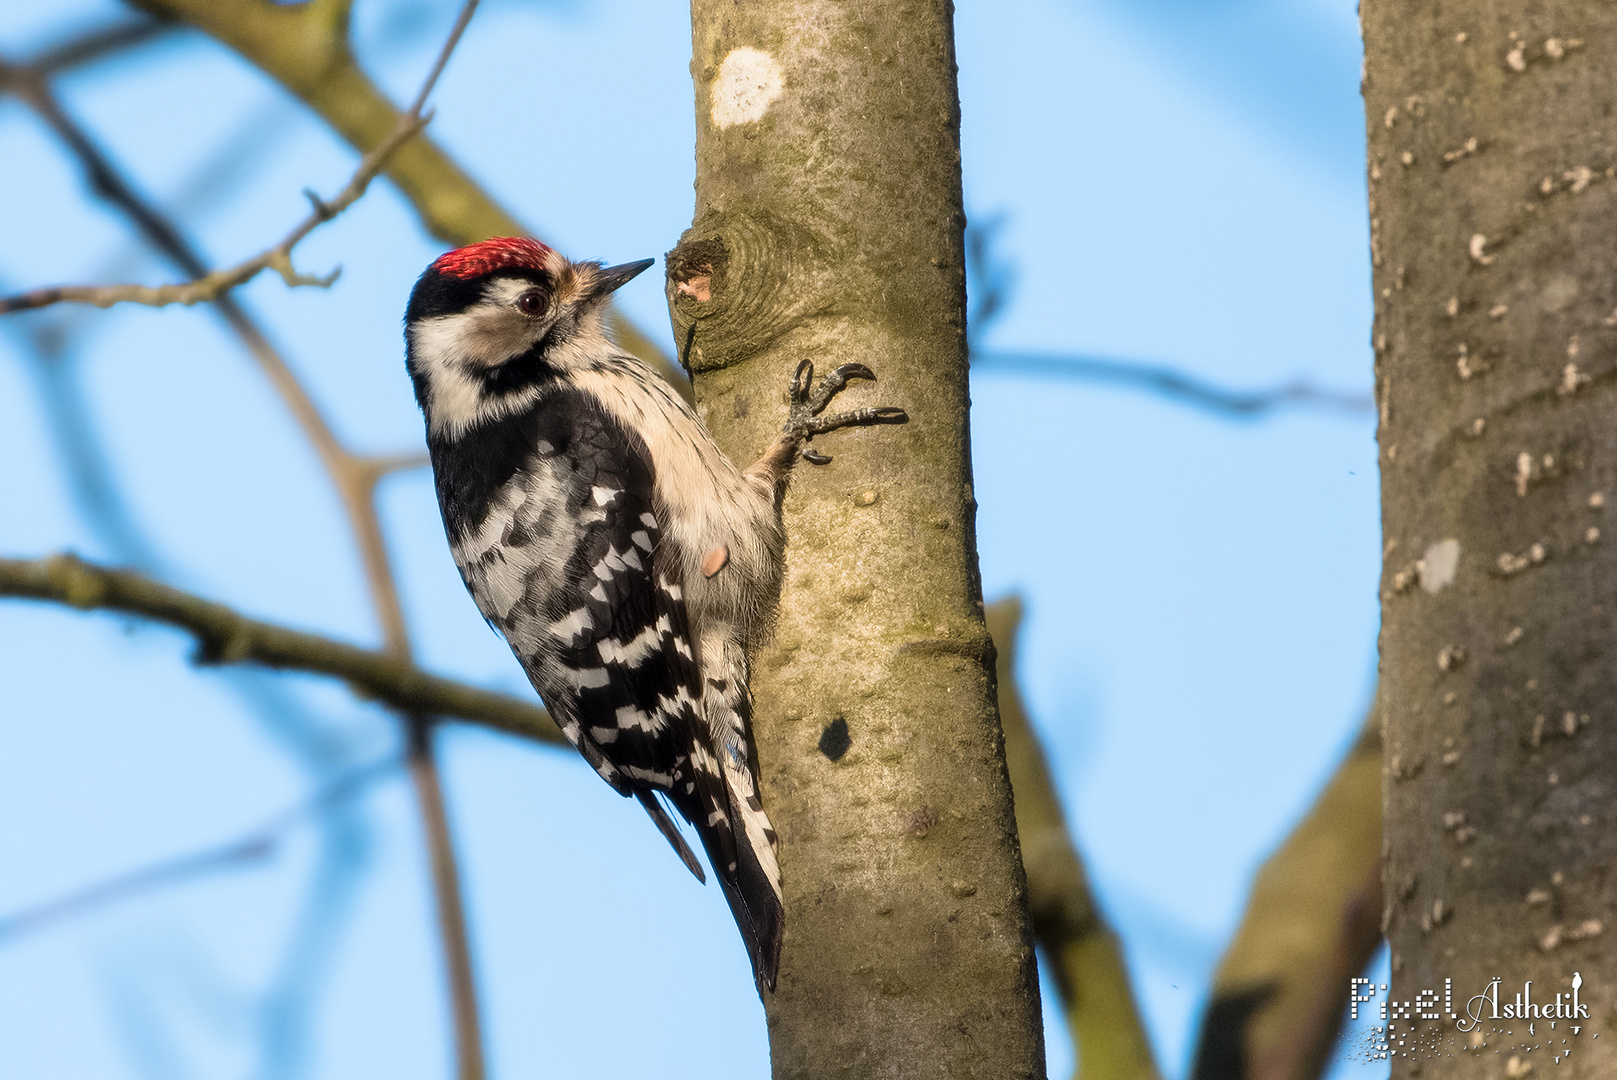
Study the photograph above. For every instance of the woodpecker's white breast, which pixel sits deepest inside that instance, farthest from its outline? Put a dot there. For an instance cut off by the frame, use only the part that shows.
(702, 499)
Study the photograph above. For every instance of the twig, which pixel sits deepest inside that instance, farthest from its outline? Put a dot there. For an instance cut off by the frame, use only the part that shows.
(1083, 955)
(450, 909)
(256, 846)
(355, 479)
(212, 286)
(315, 26)
(343, 836)
(1174, 384)
(462, 21)
(224, 636)
(306, 50)
(354, 476)
(29, 84)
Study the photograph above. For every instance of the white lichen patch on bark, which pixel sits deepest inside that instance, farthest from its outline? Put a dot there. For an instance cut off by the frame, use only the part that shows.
(1438, 565)
(749, 81)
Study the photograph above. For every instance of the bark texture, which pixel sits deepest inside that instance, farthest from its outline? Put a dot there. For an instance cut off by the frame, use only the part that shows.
(829, 226)
(1492, 206)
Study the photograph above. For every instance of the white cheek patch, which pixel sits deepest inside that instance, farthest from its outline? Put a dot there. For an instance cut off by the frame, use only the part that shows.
(749, 80)
(480, 336)
(453, 394)
(452, 348)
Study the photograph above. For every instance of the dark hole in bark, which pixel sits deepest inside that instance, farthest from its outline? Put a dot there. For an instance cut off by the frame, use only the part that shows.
(697, 267)
(834, 740)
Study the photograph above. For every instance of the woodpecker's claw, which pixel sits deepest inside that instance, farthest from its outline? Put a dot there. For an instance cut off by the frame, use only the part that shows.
(882, 414)
(802, 379)
(809, 401)
(833, 384)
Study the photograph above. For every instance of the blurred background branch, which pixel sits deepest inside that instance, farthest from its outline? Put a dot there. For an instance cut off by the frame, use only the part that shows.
(283, 1009)
(305, 48)
(1311, 924)
(1084, 958)
(252, 848)
(210, 287)
(991, 281)
(1173, 384)
(354, 477)
(98, 44)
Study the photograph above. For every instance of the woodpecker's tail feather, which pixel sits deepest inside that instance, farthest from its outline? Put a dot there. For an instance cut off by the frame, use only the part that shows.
(670, 832)
(751, 886)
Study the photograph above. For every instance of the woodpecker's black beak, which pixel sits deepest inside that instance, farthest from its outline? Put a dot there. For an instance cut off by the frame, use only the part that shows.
(612, 278)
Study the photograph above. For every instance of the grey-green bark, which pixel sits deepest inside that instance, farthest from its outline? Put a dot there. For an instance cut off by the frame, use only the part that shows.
(1492, 212)
(829, 226)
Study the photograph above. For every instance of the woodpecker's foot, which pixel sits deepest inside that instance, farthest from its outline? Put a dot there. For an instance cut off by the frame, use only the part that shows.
(804, 421)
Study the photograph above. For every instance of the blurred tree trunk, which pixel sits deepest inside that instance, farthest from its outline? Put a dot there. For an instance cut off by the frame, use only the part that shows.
(829, 226)
(1491, 224)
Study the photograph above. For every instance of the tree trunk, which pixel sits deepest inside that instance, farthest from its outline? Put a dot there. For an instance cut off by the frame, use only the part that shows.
(829, 226)
(1491, 223)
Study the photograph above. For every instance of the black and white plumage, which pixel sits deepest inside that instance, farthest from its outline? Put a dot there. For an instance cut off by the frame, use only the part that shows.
(600, 529)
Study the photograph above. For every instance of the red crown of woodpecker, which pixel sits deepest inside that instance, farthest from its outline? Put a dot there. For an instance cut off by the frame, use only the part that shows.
(500, 253)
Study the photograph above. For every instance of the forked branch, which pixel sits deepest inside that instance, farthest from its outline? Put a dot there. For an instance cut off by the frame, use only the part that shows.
(29, 84)
(305, 48)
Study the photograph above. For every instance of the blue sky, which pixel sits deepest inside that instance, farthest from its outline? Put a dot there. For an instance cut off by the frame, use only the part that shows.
(1177, 183)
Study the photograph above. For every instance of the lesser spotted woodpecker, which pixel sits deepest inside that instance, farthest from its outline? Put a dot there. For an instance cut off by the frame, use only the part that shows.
(600, 529)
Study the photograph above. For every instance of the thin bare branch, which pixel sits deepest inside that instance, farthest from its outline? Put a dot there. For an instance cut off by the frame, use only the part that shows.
(317, 25)
(1174, 384)
(214, 285)
(461, 22)
(224, 636)
(354, 482)
(256, 846)
(29, 84)
(378, 467)
(355, 479)
(307, 51)
(1084, 958)
(450, 909)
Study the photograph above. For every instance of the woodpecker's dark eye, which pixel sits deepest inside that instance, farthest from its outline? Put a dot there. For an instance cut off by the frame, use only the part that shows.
(533, 302)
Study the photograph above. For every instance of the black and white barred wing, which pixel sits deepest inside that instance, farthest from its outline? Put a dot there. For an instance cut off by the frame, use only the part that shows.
(568, 563)
(563, 562)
